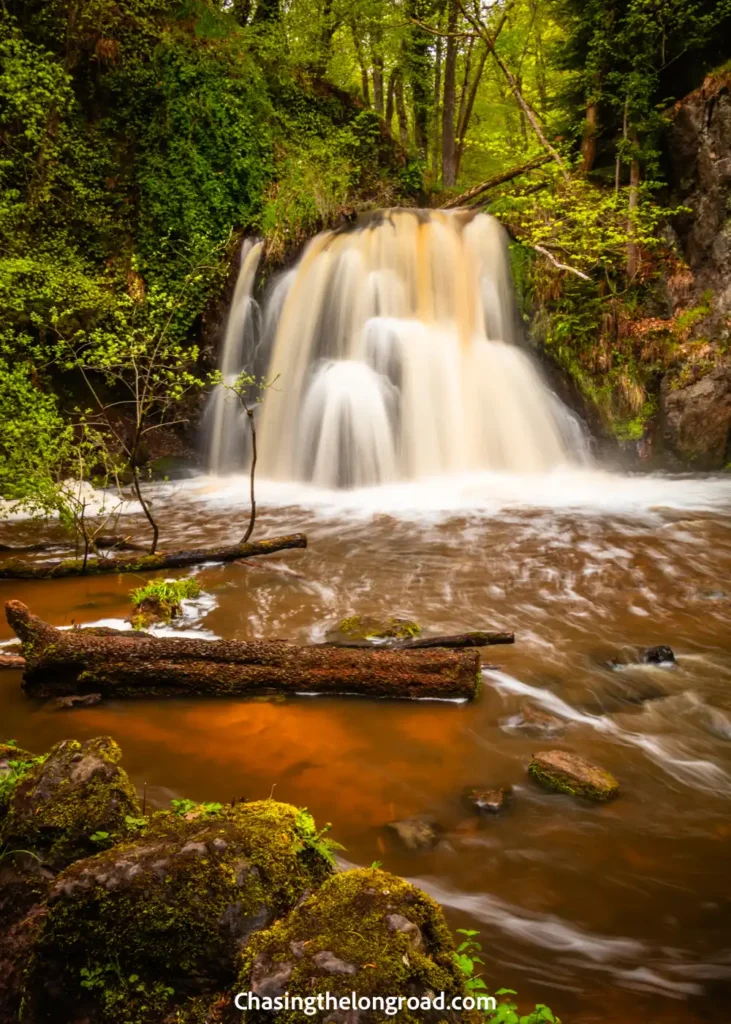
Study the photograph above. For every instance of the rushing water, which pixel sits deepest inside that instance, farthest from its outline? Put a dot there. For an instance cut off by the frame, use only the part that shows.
(394, 350)
(613, 913)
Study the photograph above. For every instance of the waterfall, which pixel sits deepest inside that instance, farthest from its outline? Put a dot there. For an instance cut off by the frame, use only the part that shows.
(224, 423)
(396, 350)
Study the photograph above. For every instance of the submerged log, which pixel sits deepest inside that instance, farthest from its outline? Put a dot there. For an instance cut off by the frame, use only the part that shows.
(15, 569)
(77, 662)
(477, 638)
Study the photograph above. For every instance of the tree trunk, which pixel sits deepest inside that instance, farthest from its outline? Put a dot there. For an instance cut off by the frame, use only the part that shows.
(377, 60)
(69, 662)
(588, 142)
(403, 120)
(15, 569)
(467, 108)
(635, 177)
(449, 146)
(390, 98)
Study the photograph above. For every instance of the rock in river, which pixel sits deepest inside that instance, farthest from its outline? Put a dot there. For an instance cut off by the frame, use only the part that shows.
(534, 721)
(567, 773)
(661, 655)
(486, 800)
(416, 833)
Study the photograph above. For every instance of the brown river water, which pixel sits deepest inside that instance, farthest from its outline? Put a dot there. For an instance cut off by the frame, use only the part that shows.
(612, 913)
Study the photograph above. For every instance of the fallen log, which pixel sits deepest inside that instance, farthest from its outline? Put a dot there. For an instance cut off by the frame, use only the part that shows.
(75, 662)
(15, 569)
(477, 638)
(498, 179)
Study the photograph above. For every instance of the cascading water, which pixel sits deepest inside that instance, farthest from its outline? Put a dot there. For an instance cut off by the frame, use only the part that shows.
(394, 347)
(224, 421)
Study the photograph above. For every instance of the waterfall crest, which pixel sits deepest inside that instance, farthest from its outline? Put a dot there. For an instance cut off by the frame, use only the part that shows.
(395, 348)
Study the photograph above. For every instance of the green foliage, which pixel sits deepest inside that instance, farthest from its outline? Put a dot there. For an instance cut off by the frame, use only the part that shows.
(185, 806)
(14, 770)
(309, 837)
(467, 957)
(166, 592)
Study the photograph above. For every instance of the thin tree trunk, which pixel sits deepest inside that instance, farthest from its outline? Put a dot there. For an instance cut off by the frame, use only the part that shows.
(449, 146)
(377, 53)
(145, 509)
(363, 66)
(635, 177)
(252, 514)
(390, 97)
(588, 142)
(403, 120)
(466, 113)
(437, 101)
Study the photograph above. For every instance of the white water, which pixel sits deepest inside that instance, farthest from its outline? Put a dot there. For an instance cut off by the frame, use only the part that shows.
(395, 351)
(224, 421)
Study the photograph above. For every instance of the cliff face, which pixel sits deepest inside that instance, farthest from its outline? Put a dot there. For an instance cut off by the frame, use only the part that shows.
(695, 404)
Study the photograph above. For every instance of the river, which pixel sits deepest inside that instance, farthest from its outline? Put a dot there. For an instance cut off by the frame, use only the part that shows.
(607, 913)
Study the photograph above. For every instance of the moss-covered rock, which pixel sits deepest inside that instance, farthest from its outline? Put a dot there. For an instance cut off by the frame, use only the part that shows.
(374, 627)
(62, 800)
(567, 773)
(364, 931)
(149, 924)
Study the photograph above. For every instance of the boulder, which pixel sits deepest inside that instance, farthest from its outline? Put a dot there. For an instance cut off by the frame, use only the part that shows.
(486, 800)
(161, 920)
(64, 799)
(567, 773)
(373, 627)
(416, 833)
(364, 931)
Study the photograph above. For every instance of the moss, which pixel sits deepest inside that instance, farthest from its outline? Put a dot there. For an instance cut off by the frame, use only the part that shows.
(365, 627)
(565, 773)
(364, 931)
(66, 797)
(161, 600)
(178, 903)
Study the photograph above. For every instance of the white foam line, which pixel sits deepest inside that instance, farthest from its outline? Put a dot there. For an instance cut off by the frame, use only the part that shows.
(703, 775)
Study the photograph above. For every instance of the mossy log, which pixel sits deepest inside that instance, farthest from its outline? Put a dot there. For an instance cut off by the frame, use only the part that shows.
(17, 569)
(458, 640)
(76, 662)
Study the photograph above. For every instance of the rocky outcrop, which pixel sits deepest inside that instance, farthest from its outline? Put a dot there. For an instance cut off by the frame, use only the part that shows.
(696, 422)
(695, 403)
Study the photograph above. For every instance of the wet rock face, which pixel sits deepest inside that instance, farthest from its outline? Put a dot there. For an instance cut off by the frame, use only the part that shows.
(364, 931)
(567, 773)
(77, 791)
(173, 908)
(696, 418)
